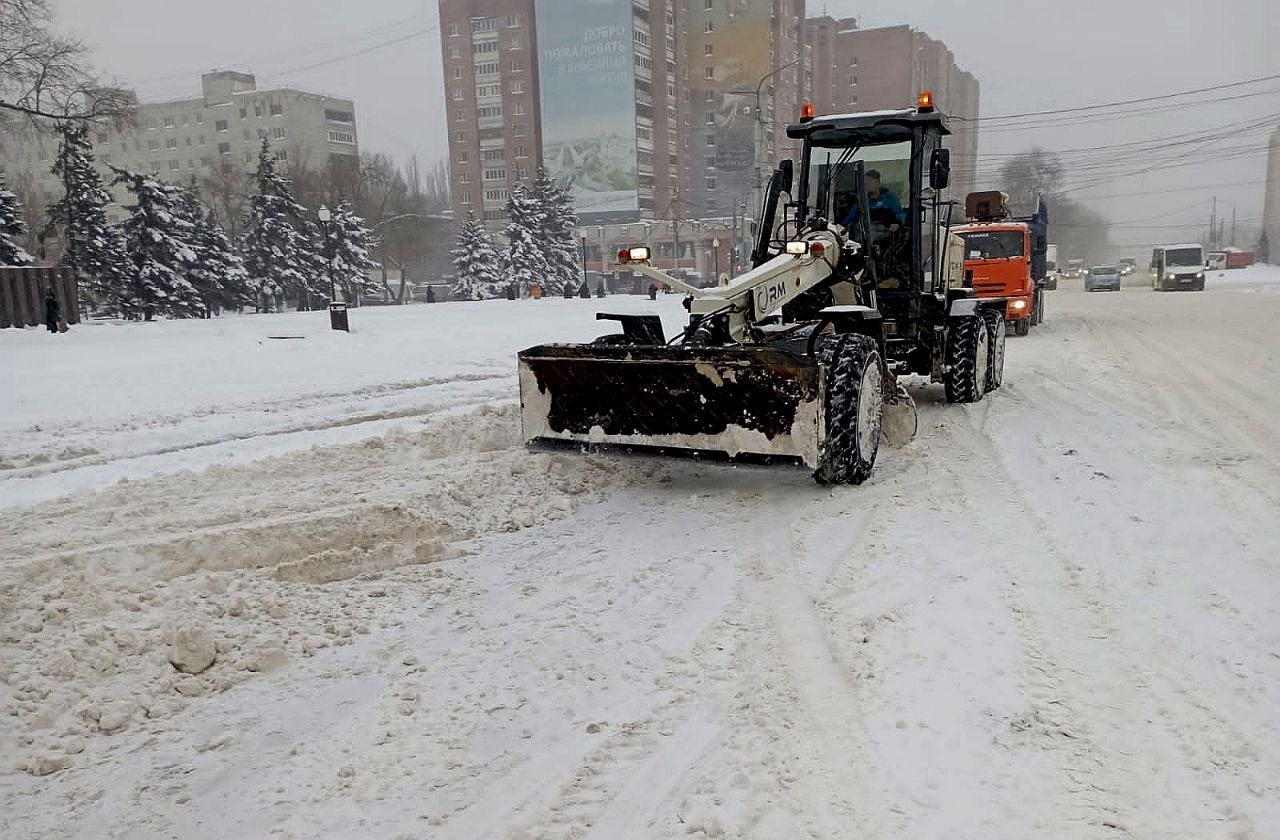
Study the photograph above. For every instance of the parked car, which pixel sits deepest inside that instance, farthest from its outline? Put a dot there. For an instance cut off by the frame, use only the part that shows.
(1128, 266)
(1102, 278)
(1216, 261)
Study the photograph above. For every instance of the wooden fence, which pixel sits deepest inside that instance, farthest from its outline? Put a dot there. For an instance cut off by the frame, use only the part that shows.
(22, 295)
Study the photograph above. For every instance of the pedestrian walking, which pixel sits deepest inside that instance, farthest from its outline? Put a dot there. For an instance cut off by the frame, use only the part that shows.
(53, 312)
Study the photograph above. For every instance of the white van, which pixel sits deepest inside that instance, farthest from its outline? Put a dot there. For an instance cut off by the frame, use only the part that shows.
(1177, 267)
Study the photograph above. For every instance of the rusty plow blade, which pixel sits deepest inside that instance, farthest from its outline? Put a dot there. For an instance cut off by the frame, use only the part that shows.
(755, 402)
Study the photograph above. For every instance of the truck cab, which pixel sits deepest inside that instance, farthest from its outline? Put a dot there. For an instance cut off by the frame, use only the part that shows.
(997, 263)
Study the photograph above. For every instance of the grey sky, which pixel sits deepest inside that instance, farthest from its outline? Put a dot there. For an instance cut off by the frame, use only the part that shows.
(1029, 55)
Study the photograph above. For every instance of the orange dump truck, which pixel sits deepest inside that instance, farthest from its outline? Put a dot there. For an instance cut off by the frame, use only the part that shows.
(999, 258)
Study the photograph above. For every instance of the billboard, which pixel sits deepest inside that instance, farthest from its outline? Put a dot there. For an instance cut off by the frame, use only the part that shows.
(741, 55)
(586, 83)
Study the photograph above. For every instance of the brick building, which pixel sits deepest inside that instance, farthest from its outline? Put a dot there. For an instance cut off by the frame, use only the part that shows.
(855, 69)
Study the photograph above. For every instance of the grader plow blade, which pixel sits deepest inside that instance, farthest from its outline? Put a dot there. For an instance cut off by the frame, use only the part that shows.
(752, 401)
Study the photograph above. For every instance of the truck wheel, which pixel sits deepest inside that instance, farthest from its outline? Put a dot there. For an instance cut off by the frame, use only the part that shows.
(1022, 327)
(854, 399)
(996, 330)
(967, 357)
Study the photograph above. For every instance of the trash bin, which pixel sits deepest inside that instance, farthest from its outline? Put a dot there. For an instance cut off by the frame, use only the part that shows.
(338, 316)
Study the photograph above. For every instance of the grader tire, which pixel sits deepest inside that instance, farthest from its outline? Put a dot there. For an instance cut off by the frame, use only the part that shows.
(967, 356)
(854, 398)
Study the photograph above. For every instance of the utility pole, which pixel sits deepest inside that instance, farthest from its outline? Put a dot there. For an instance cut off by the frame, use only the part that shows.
(1213, 224)
(1233, 226)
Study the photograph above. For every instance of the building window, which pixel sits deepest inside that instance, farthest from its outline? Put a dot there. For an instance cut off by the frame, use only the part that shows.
(460, 137)
(853, 80)
(248, 156)
(171, 143)
(495, 215)
(186, 141)
(200, 140)
(155, 167)
(191, 164)
(174, 165)
(342, 137)
(513, 21)
(492, 154)
(515, 44)
(488, 68)
(522, 151)
(459, 115)
(464, 178)
(338, 116)
(711, 117)
(278, 133)
(204, 161)
(709, 72)
(153, 145)
(487, 91)
(456, 73)
(496, 174)
(522, 173)
(168, 122)
(517, 67)
(455, 51)
(710, 138)
(518, 107)
(276, 109)
(224, 148)
(244, 113)
(708, 5)
(708, 49)
(488, 111)
(124, 147)
(643, 132)
(262, 134)
(220, 125)
(711, 182)
(151, 124)
(199, 119)
(518, 86)
(283, 154)
(457, 94)
(466, 197)
(484, 47)
(186, 119)
(454, 30)
(248, 135)
(257, 109)
(495, 195)
(708, 26)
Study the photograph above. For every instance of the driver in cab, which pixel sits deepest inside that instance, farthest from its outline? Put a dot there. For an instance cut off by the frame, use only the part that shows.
(884, 207)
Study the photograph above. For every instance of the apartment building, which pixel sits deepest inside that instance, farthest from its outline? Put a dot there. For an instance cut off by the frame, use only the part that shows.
(747, 72)
(188, 138)
(855, 69)
(491, 101)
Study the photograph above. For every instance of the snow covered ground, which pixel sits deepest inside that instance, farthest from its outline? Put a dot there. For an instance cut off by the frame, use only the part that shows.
(1055, 614)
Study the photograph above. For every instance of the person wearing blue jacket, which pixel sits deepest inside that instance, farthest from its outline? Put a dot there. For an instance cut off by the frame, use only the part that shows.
(881, 202)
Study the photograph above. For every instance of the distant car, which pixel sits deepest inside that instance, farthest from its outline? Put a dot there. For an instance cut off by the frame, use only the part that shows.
(1216, 261)
(1102, 278)
(1128, 266)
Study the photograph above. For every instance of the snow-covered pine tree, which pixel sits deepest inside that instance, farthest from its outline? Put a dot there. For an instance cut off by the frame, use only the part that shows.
(524, 261)
(11, 227)
(559, 233)
(91, 245)
(278, 243)
(349, 243)
(218, 275)
(479, 275)
(158, 241)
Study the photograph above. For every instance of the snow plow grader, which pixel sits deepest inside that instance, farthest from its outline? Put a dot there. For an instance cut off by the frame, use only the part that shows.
(798, 358)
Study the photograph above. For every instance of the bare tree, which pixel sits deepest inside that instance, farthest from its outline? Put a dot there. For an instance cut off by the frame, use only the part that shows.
(225, 189)
(46, 76)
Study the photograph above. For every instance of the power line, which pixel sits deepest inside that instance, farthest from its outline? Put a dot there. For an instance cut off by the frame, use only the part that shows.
(1120, 102)
(365, 50)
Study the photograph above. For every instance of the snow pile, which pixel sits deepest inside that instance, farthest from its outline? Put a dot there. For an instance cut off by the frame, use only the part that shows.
(1256, 279)
(118, 609)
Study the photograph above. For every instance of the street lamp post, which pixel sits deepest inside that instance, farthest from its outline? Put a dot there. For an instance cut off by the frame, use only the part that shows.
(337, 308)
(715, 250)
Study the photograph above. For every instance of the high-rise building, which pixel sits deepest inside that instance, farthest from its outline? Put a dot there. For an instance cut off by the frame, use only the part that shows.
(613, 98)
(190, 138)
(491, 101)
(871, 69)
(746, 71)
(1271, 205)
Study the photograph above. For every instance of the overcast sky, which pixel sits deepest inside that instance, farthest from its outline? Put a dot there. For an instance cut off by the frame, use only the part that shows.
(1028, 55)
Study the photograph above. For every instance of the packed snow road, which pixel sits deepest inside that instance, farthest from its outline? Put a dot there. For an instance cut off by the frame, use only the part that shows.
(1055, 614)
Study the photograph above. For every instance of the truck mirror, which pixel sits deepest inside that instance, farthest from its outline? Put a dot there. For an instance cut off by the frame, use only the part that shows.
(940, 169)
(785, 172)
